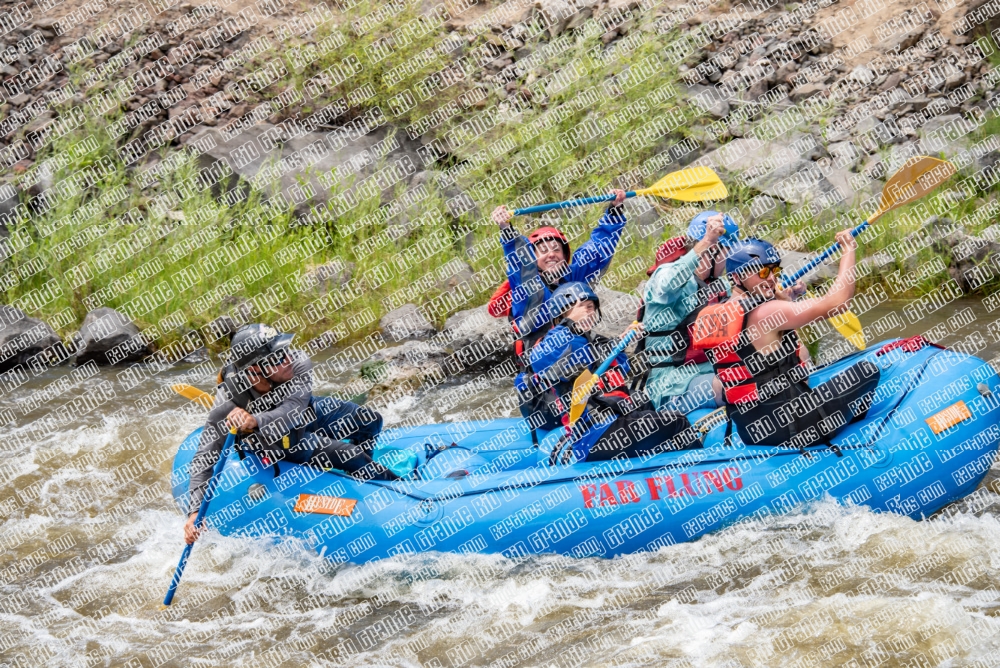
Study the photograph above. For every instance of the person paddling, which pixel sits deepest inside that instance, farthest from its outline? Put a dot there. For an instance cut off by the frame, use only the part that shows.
(689, 273)
(265, 391)
(570, 347)
(536, 266)
(760, 361)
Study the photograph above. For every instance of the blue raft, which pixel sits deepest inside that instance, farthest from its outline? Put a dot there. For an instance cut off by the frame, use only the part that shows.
(929, 439)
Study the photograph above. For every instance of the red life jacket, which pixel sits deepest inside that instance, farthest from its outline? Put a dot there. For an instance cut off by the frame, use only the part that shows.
(500, 301)
(721, 331)
(499, 307)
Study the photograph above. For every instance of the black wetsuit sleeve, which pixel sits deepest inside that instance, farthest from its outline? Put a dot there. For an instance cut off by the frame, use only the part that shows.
(209, 449)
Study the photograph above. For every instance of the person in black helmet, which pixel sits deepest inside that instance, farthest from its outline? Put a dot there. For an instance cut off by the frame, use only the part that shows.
(265, 391)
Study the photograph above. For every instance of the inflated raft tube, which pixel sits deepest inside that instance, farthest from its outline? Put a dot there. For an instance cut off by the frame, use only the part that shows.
(929, 438)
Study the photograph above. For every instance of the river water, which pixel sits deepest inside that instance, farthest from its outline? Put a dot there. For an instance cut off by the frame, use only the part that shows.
(90, 535)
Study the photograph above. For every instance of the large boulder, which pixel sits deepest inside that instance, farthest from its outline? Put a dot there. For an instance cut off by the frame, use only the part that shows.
(411, 354)
(949, 134)
(108, 337)
(618, 311)
(255, 151)
(403, 367)
(805, 91)
(708, 100)
(9, 201)
(900, 41)
(782, 169)
(22, 338)
(465, 327)
(560, 15)
(404, 323)
(875, 263)
(478, 340)
(971, 259)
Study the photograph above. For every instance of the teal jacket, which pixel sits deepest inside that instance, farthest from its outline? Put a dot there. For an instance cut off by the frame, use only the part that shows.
(671, 293)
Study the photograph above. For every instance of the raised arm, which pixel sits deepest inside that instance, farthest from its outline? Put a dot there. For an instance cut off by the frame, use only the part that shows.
(516, 248)
(669, 278)
(596, 253)
(792, 315)
(527, 293)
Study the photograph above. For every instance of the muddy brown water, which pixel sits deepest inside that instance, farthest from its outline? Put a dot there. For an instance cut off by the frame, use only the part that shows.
(90, 535)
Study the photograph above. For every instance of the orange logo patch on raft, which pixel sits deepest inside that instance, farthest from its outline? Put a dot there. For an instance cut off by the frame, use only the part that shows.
(325, 505)
(949, 417)
(693, 484)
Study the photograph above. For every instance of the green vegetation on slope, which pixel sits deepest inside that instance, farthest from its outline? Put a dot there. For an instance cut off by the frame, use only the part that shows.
(580, 120)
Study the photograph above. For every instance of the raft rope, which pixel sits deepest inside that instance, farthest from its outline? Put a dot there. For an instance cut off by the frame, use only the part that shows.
(909, 345)
(391, 485)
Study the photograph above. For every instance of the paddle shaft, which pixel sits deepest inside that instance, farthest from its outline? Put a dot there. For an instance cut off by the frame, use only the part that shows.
(569, 203)
(202, 509)
(821, 258)
(615, 352)
(585, 383)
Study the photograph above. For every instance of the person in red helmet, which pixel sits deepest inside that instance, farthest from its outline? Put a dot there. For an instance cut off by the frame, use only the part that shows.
(542, 261)
(538, 264)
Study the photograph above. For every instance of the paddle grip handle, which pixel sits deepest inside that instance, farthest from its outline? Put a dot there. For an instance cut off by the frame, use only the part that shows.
(569, 203)
(206, 498)
(615, 352)
(819, 259)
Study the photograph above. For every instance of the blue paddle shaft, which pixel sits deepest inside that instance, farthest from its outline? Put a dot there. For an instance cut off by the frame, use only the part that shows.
(819, 259)
(615, 352)
(569, 203)
(206, 498)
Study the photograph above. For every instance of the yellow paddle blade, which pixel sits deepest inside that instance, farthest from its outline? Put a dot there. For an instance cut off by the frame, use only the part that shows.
(847, 324)
(850, 327)
(711, 421)
(582, 387)
(204, 399)
(918, 176)
(695, 184)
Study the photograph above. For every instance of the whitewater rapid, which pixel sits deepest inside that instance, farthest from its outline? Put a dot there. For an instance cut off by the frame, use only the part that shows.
(91, 535)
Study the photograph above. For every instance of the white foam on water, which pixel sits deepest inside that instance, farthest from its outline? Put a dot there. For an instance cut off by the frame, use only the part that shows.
(461, 597)
(396, 411)
(812, 586)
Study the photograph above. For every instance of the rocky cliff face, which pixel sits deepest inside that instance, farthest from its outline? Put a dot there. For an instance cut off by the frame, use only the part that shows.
(434, 112)
(874, 82)
(866, 84)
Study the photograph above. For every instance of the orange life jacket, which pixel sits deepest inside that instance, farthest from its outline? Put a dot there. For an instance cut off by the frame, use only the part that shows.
(721, 331)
